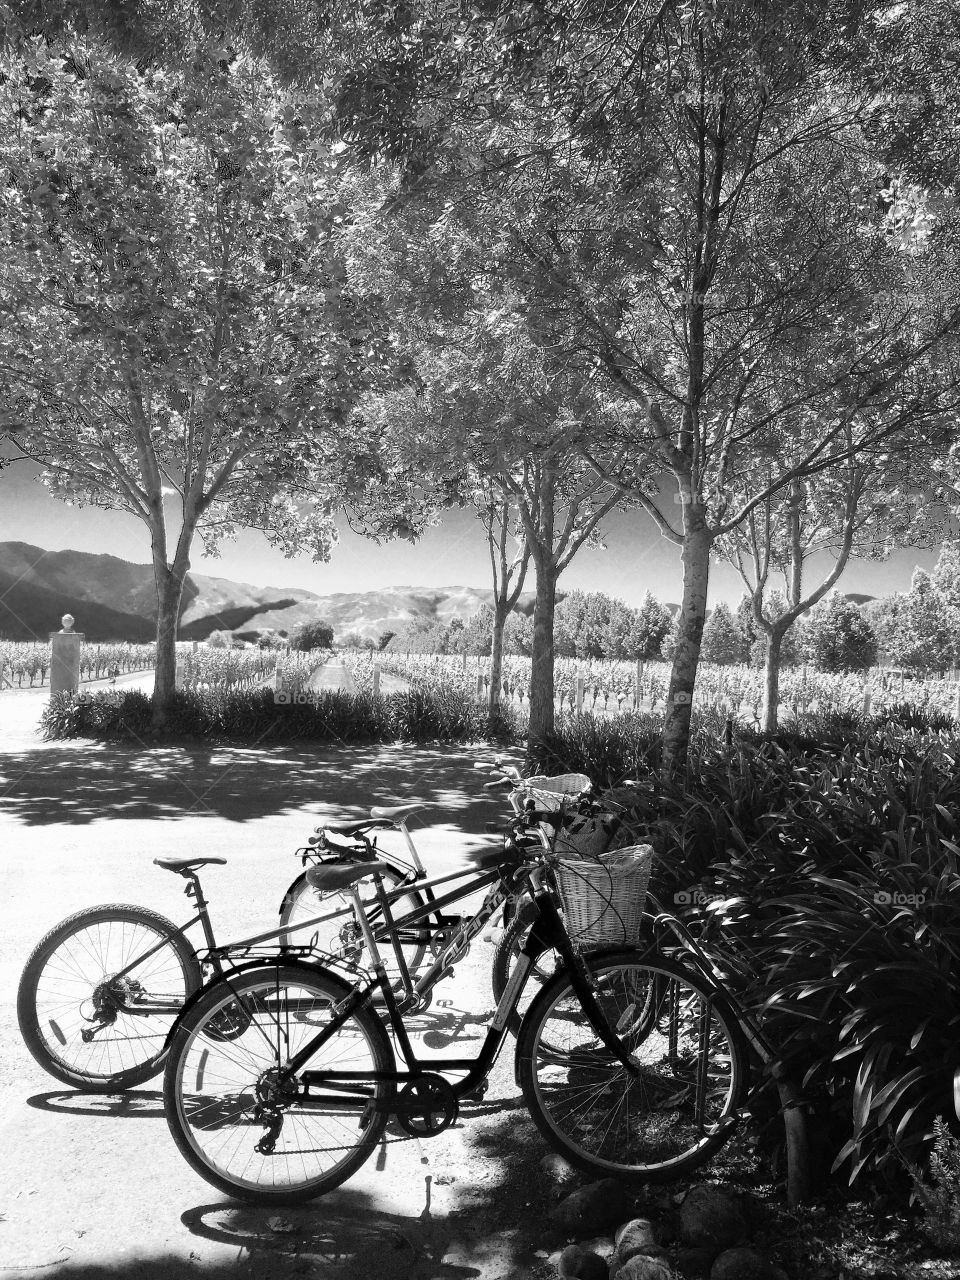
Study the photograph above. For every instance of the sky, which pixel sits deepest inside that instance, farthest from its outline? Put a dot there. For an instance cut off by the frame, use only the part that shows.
(636, 558)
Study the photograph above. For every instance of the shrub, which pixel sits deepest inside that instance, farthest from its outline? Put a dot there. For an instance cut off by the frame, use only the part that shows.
(939, 1192)
(330, 716)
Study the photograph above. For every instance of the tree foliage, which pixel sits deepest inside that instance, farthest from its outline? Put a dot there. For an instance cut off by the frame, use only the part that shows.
(838, 637)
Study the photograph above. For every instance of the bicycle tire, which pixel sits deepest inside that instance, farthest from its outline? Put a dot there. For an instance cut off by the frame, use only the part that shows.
(213, 1087)
(67, 979)
(642, 1127)
(302, 902)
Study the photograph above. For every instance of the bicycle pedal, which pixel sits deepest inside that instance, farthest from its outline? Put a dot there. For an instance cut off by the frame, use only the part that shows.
(444, 1004)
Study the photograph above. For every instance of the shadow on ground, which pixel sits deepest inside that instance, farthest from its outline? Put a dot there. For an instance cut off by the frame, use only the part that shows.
(74, 785)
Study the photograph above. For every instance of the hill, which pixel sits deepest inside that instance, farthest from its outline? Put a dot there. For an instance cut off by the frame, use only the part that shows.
(113, 599)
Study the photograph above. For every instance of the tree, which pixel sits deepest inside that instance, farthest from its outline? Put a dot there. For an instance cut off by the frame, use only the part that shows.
(312, 635)
(916, 628)
(704, 233)
(865, 508)
(502, 523)
(723, 641)
(180, 339)
(839, 637)
(384, 639)
(649, 629)
(220, 639)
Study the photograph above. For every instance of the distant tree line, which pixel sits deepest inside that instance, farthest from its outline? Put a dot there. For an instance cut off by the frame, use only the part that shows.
(917, 630)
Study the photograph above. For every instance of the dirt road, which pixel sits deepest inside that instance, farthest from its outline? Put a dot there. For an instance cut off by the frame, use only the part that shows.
(93, 1185)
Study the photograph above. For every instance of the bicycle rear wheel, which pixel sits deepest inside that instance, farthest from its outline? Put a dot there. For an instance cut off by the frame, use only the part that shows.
(99, 994)
(240, 1121)
(680, 1106)
(340, 937)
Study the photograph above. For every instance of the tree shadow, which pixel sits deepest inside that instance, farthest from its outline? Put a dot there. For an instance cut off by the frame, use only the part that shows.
(52, 784)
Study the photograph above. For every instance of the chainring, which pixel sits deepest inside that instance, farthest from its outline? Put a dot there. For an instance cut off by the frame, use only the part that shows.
(426, 1106)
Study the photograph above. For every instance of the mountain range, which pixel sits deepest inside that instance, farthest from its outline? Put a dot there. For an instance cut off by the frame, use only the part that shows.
(112, 599)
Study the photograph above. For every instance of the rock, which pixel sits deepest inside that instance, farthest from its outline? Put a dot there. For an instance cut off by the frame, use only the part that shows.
(640, 1267)
(634, 1237)
(557, 1170)
(693, 1264)
(711, 1215)
(741, 1264)
(581, 1264)
(592, 1209)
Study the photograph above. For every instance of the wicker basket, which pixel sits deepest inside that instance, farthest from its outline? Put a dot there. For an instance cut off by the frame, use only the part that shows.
(550, 793)
(603, 897)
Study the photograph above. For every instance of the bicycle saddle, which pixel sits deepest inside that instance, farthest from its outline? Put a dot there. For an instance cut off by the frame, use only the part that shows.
(340, 875)
(186, 864)
(395, 810)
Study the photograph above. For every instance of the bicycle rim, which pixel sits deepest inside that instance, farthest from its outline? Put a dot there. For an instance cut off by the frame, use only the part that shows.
(235, 1116)
(340, 937)
(669, 1116)
(71, 989)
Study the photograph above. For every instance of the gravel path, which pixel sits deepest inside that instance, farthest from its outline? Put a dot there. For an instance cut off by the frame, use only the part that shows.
(93, 1186)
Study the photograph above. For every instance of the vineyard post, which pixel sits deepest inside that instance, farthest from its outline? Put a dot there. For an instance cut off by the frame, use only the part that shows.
(866, 698)
(480, 685)
(580, 684)
(638, 685)
(376, 679)
(65, 658)
(956, 704)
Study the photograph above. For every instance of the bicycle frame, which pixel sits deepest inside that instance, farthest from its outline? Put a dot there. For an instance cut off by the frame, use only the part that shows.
(708, 973)
(547, 932)
(214, 955)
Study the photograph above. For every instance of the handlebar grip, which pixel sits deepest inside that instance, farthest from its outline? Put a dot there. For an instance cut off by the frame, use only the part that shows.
(497, 782)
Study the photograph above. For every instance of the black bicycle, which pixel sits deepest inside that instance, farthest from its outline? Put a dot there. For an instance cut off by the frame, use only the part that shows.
(280, 1080)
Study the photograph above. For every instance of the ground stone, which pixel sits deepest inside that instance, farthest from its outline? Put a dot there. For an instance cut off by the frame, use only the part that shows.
(634, 1237)
(695, 1263)
(741, 1264)
(592, 1208)
(581, 1264)
(711, 1215)
(641, 1267)
(557, 1170)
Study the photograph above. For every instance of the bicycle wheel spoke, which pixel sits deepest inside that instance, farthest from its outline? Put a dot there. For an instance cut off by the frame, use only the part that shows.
(241, 1118)
(665, 1112)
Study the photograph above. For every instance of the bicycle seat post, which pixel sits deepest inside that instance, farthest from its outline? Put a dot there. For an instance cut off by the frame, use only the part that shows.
(401, 826)
(194, 890)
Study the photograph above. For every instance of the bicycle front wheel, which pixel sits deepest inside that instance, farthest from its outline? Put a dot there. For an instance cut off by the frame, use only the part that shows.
(99, 994)
(680, 1105)
(338, 933)
(246, 1124)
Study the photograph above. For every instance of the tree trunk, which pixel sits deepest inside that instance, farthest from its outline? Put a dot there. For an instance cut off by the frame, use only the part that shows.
(771, 679)
(169, 593)
(500, 613)
(541, 665)
(693, 609)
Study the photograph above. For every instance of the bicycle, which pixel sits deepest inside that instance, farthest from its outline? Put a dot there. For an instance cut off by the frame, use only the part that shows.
(100, 992)
(280, 1081)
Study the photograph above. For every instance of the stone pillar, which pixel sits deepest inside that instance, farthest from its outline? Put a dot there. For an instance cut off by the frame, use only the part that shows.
(65, 658)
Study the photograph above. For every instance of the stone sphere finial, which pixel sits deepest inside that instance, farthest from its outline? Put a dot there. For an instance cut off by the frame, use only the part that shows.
(67, 621)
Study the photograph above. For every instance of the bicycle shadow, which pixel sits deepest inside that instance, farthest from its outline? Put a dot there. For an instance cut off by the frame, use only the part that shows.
(146, 1104)
(344, 1234)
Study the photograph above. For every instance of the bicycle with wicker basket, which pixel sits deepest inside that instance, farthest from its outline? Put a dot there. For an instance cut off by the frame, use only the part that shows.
(281, 1080)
